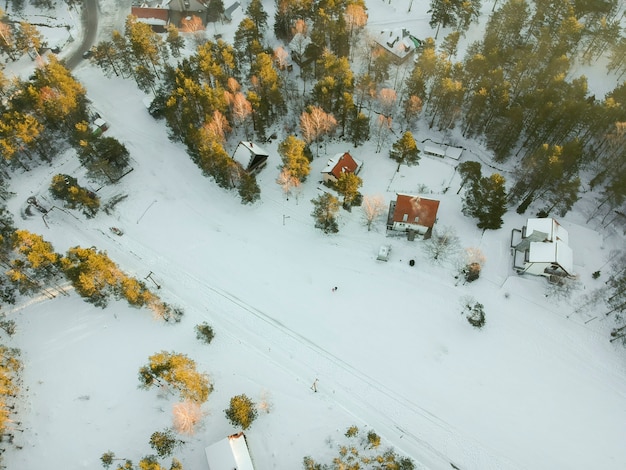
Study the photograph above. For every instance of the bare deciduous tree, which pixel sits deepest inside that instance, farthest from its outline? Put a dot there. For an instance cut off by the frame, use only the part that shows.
(387, 98)
(218, 126)
(187, 415)
(373, 207)
(412, 108)
(280, 57)
(315, 123)
(288, 182)
(442, 245)
(265, 404)
(383, 126)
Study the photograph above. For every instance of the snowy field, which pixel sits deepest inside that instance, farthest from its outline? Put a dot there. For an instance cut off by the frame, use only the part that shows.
(539, 387)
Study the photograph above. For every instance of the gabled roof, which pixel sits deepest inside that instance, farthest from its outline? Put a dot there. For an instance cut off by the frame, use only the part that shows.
(342, 163)
(247, 152)
(555, 253)
(187, 5)
(549, 226)
(229, 453)
(419, 210)
(396, 41)
(546, 241)
(151, 15)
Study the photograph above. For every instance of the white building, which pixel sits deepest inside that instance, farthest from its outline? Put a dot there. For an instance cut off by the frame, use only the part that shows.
(251, 157)
(542, 249)
(230, 453)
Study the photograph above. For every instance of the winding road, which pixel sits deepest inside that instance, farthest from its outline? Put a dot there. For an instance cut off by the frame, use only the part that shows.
(89, 21)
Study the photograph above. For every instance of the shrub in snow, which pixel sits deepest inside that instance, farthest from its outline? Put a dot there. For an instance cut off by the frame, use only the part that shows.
(362, 451)
(241, 412)
(204, 333)
(474, 311)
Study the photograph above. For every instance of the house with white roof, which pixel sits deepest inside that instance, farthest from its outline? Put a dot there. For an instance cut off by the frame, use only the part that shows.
(230, 453)
(251, 156)
(541, 248)
(397, 42)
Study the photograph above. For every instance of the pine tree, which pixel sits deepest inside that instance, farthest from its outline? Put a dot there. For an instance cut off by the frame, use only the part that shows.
(164, 442)
(470, 172)
(485, 199)
(249, 190)
(325, 209)
(241, 412)
(258, 15)
(405, 151)
(292, 153)
(359, 128)
(348, 185)
(178, 371)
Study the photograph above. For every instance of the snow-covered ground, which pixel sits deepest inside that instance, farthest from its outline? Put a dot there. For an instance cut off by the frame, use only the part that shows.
(539, 387)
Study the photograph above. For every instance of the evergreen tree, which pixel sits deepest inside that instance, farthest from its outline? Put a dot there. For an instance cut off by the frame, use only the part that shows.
(249, 190)
(325, 209)
(470, 172)
(215, 10)
(359, 128)
(164, 442)
(292, 153)
(258, 15)
(241, 412)
(405, 151)
(178, 371)
(348, 185)
(485, 199)
(66, 187)
(174, 40)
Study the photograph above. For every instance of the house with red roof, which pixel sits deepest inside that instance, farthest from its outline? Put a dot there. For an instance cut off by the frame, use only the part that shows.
(155, 14)
(340, 163)
(412, 214)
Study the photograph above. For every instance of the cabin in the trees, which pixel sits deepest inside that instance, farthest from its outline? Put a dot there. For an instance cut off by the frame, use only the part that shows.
(340, 163)
(229, 453)
(541, 248)
(156, 14)
(412, 214)
(442, 150)
(397, 42)
(251, 157)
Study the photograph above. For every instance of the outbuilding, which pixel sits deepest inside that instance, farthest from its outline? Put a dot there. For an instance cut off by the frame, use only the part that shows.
(230, 453)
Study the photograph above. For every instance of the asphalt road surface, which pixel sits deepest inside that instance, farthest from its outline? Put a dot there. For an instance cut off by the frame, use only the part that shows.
(89, 20)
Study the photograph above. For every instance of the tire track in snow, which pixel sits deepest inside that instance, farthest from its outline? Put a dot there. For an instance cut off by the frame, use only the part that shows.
(393, 417)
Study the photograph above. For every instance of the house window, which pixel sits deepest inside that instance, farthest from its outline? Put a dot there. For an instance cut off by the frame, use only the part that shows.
(405, 217)
(417, 219)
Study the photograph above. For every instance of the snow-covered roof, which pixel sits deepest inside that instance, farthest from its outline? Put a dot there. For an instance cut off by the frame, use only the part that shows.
(557, 252)
(396, 41)
(435, 149)
(246, 151)
(230, 453)
(547, 225)
(443, 150)
(454, 152)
